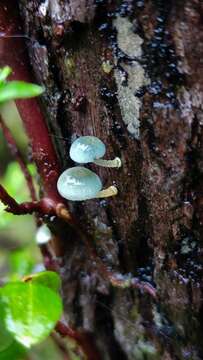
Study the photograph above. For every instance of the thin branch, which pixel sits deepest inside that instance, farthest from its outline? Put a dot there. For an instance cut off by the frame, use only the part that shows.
(50, 262)
(16, 153)
(61, 346)
(84, 340)
(12, 205)
(45, 207)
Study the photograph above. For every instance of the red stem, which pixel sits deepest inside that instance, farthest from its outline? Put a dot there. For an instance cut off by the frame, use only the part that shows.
(7, 200)
(61, 346)
(18, 156)
(13, 53)
(84, 340)
(42, 207)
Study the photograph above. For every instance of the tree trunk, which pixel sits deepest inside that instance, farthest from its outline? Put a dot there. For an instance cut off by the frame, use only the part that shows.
(129, 72)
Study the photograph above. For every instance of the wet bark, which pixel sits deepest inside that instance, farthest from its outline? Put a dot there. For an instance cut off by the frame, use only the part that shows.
(130, 73)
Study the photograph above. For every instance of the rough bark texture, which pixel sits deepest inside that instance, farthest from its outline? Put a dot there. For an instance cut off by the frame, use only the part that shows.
(129, 72)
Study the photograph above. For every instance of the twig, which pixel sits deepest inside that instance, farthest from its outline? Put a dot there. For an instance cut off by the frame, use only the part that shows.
(45, 207)
(12, 205)
(15, 152)
(84, 340)
(61, 346)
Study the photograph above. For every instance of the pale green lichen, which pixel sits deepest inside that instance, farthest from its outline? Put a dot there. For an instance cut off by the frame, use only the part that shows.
(130, 43)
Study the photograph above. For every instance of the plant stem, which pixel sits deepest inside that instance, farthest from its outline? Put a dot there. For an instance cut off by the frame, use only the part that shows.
(15, 152)
(13, 53)
(84, 340)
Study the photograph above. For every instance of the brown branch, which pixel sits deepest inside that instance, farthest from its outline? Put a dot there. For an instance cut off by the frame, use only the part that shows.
(44, 207)
(12, 205)
(16, 153)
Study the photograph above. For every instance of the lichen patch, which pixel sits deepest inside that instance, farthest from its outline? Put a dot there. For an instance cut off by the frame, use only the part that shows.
(130, 43)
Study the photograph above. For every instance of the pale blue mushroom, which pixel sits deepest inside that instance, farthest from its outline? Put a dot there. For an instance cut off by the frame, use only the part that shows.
(79, 183)
(88, 149)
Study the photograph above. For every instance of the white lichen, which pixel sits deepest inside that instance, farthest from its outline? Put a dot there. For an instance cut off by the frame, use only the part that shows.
(130, 43)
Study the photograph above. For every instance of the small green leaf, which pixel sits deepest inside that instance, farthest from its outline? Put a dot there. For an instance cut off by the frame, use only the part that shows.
(49, 279)
(18, 90)
(31, 311)
(4, 72)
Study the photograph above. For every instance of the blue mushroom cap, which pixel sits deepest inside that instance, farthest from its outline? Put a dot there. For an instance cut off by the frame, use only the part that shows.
(78, 183)
(87, 149)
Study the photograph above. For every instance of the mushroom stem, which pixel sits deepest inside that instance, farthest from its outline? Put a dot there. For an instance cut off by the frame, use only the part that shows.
(110, 191)
(115, 163)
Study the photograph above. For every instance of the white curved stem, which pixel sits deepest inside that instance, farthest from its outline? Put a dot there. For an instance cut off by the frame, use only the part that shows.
(115, 163)
(110, 191)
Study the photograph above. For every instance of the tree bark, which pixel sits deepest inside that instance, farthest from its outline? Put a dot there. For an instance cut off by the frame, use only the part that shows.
(130, 73)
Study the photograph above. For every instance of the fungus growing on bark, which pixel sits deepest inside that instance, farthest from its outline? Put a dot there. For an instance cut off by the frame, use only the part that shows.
(88, 149)
(79, 183)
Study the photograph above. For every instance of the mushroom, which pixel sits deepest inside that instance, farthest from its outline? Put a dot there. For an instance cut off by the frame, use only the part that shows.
(79, 183)
(87, 149)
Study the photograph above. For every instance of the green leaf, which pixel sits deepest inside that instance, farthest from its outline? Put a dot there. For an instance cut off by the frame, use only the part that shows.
(18, 90)
(4, 72)
(31, 311)
(9, 348)
(49, 279)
